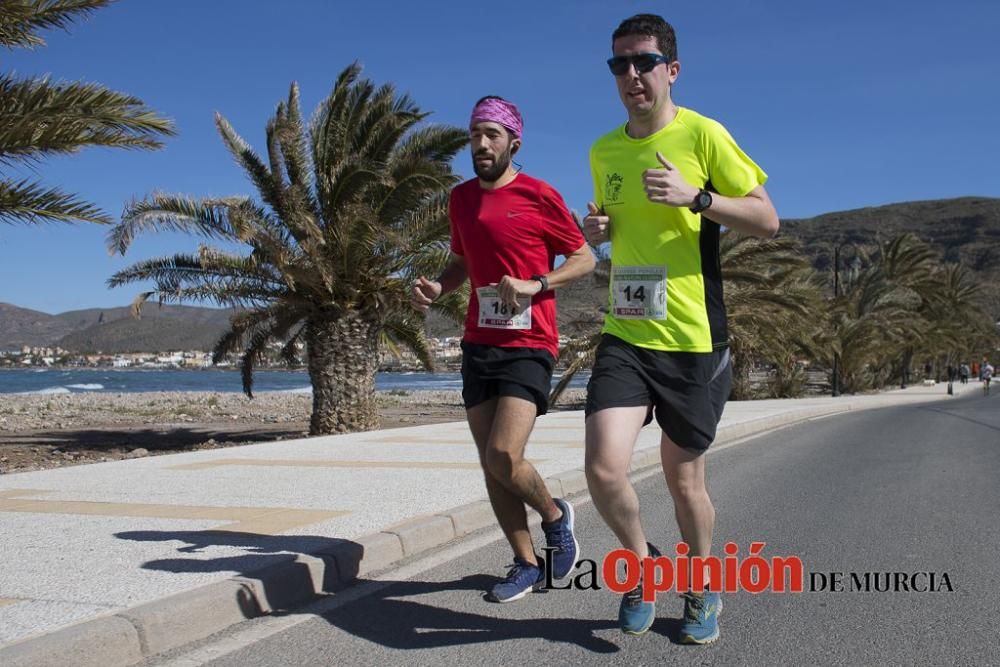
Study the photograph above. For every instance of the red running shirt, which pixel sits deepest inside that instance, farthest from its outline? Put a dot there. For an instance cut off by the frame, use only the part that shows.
(515, 230)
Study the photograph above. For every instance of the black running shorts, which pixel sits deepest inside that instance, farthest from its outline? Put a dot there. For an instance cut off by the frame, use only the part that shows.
(686, 391)
(489, 370)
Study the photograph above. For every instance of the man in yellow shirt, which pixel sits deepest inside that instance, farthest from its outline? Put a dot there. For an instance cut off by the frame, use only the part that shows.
(664, 351)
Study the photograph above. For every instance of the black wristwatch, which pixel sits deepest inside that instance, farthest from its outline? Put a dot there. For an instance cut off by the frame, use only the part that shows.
(702, 200)
(544, 281)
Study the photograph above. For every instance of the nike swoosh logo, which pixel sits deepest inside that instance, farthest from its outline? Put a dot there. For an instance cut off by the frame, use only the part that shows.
(512, 214)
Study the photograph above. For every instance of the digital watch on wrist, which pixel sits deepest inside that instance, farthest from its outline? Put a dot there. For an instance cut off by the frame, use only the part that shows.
(544, 281)
(702, 200)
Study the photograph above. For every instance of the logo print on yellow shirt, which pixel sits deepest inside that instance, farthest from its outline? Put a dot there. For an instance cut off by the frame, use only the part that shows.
(613, 188)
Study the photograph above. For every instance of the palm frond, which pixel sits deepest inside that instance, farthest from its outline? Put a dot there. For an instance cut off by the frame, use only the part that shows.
(406, 329)
(166, 212)
(267, 183)
(21, 19)
(27, 202)
(39, 118)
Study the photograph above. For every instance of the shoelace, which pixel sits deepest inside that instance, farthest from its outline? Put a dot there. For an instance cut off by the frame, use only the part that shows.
(692, 610)
(634, 597)
(515, 570)
(559, 538)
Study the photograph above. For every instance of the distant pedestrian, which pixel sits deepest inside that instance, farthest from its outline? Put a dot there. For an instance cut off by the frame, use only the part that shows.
(963, 373)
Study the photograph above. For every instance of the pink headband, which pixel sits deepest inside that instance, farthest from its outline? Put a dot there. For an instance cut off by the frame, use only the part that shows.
(493, 110)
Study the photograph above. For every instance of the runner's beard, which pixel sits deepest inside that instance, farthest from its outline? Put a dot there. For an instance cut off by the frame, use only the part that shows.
(493, 172)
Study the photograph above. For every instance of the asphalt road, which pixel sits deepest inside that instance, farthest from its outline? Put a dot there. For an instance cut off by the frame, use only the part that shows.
(907, 489)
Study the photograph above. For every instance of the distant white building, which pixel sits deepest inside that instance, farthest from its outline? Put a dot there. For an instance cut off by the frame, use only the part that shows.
(175, 358)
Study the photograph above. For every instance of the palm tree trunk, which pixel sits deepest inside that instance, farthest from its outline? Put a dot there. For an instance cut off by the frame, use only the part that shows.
(742, 365)
(345, 348)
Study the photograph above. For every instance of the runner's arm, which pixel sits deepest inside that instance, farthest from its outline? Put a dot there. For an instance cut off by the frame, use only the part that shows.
(752, 214)
(425, 292)
(578, 263)
(454, 274)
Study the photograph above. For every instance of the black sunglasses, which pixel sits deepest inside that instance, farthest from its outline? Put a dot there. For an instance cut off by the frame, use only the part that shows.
(644, 62)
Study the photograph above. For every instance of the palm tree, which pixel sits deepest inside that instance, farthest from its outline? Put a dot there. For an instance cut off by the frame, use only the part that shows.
(774, 307)
(957, 322)
(353, 208)
(39, 118)
(911, 267)
(904, 304)
(871, 324)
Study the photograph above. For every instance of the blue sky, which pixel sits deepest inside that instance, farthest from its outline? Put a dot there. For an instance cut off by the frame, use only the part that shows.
(843, 104)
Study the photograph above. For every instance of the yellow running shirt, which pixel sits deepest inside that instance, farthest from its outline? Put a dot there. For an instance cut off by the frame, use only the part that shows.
(666, 285)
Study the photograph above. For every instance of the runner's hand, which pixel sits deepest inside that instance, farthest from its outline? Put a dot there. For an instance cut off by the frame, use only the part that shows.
(596, 225)
(424, 293)
(509, 289)
(667, 185)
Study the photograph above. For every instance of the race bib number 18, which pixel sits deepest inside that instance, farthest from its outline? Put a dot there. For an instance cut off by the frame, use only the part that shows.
(494, 314)
(639, 292)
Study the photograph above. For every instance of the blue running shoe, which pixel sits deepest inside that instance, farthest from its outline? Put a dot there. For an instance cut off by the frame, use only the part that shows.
(701, 618)
(521, 579)
(634, 615)
(563, 550)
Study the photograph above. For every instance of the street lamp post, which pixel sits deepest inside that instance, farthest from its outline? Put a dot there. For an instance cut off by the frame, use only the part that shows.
(836, 294)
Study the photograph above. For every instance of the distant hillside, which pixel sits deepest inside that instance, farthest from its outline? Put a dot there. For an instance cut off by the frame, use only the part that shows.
(113, 330)
(965, 229)
(20, 326)
(159, 329)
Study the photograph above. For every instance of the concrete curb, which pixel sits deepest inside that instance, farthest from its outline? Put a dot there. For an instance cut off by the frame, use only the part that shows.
(136, 633)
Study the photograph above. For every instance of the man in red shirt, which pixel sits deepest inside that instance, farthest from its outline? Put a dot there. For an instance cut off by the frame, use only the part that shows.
(506, 230)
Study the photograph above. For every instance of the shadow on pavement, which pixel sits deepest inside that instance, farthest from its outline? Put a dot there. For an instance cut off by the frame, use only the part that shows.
(385, 619)
(380, 616)
(946, 411)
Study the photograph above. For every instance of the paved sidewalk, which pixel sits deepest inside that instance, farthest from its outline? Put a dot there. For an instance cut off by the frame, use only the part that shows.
(115, 561)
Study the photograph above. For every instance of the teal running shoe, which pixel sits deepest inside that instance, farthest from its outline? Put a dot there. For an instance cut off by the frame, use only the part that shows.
(701, 618)
(635, 617)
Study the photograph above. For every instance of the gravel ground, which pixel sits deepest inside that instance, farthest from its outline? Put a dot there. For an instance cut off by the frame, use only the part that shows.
(47, 431)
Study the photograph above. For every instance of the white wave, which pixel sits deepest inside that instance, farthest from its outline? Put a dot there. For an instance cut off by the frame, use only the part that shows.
(47, 390)
(86, 387)
(297, 390)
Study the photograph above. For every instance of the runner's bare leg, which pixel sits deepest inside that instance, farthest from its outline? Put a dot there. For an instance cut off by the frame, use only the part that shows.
(611, 436)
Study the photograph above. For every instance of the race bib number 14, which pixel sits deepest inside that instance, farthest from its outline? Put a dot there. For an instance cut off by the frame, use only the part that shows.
(639, 292)
(494, 314)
